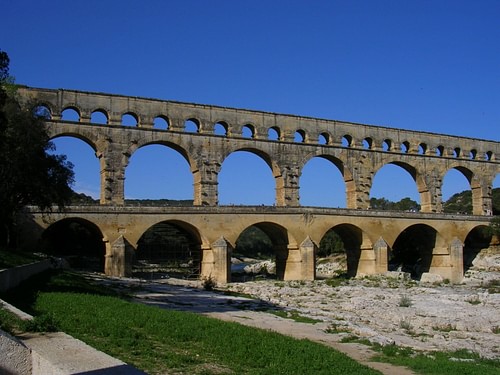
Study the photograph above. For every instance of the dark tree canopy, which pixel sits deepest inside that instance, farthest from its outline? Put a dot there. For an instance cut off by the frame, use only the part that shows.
(28, 174)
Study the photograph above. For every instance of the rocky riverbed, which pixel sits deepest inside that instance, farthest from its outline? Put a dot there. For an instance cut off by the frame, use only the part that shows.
(393, 309)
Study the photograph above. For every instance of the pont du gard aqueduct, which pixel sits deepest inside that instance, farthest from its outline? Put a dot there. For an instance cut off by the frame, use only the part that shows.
(439, 241)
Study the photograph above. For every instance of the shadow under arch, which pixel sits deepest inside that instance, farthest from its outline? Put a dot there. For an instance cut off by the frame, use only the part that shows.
(349, 184)
(169, 248)
(412, 251)
(259, 235)
(419, 179)
(347, 239)
(79, 241)
(478, 239)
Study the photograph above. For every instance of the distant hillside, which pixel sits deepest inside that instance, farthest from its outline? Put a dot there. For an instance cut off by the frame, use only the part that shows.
(462, 202)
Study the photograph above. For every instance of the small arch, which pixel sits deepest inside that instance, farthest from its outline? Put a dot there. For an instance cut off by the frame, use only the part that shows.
(367, 143)
(273, 134)
(71, 114)
(346, 141)
(413, 249)
(271, 241)
(299, 136)
(488, 156)
(248, 131)
(324, 138)
(440, 150)
(457, 152)
(405, 147)
(422, 148)
(42, 111)
(130, 119)
(170, 247)
(221, 128)
(192, 125)
(473, 154)
(387, 145)
(161, 122)
(348, 240)
(477, 240)
(99, 116)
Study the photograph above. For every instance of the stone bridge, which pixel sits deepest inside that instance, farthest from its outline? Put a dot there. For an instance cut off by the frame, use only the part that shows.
(286, 143)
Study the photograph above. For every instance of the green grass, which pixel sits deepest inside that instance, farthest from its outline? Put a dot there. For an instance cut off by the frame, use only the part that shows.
(163, 341)
(460, 362)
(9, 258)
(439, 363)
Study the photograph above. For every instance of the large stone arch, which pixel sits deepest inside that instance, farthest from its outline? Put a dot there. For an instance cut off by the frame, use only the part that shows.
(480, 189)
(192, 163)
(349, 183)
(80, 241)
(419, 177)
(267, 158)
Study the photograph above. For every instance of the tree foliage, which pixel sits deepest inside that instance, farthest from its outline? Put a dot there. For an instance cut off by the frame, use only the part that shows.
(405, 204)
(29, 175)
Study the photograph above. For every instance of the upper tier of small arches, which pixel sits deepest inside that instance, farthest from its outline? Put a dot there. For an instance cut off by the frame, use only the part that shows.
(89, 108)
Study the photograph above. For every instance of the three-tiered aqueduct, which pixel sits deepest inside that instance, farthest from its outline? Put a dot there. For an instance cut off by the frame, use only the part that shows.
(357, 150)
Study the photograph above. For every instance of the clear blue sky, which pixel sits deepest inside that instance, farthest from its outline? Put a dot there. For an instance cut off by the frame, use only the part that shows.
(421, 65)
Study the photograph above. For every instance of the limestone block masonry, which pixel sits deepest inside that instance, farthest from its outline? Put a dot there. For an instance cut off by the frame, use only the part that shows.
(357, 150)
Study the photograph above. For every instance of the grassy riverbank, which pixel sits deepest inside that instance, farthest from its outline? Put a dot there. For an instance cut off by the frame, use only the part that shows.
(159, 341)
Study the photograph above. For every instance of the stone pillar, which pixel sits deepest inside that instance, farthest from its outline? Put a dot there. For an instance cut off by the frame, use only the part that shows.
(308, 251)
(358, 189)
(482, 203)
(206, 183)
(431, 195)
(113, 161)
(119, 258)
(287, 192)
(367, 263)
(292, 263)
(176, 124)
(457, 261)
(441, 262)
(381, 250)
(220, 260)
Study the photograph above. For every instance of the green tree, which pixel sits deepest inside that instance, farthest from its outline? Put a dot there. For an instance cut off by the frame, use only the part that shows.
(28, 174)
(494, 228)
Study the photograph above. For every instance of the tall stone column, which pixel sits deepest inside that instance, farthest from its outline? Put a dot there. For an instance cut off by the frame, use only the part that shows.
(482, 198)
(359, 196)
(206, 183)
(112, 178)
(287, 190)
(433, 181)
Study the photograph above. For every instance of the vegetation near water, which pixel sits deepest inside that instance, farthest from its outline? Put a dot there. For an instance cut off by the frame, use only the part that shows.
(159, 341)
